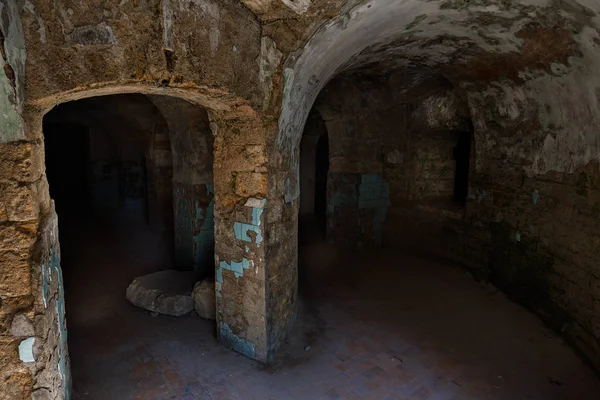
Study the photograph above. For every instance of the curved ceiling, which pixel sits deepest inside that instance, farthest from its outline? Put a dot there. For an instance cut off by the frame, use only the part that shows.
(466, 41)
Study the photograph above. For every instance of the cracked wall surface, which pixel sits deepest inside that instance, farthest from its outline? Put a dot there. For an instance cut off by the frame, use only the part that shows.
(526, 69)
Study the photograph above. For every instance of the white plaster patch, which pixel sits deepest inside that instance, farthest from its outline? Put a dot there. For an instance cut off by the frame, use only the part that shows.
(394, 157)
(209, 8)
(168, 25)
(29, 7)
(256, 203)
(214, 36)
(298, 6)
(269, 59)
(26, 350)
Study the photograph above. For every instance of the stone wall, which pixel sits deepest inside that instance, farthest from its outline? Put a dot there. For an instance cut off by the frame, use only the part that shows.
(528, 72)
(392, 161)
(191, 141)
(525, 226)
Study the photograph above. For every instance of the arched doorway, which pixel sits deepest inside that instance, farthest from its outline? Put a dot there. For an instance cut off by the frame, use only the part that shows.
(314, 170)
(118, 169)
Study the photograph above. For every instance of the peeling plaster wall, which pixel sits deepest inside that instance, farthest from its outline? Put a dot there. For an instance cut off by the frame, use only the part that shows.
(193, 189)
(527, 69)
(183, 43)
(529, 72)
(242, 220)
(12, 72)
(391, 157)
(376, 31)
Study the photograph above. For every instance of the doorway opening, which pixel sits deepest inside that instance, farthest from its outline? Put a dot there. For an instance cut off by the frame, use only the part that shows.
(462, 157)
(116, 167)
(314, 171)
(321, 173)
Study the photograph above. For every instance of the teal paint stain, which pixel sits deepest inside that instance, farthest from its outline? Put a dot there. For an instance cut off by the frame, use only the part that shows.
(374, 195)
(341, 198)
(183, 229)
(241, 229)
(535, 196)
(256, 214)
(518, 236)
(241, 232)
(204, 239)
(237, 343)
(219, 273)
(10, 117)
(44, 286)
(54, 263)
(234, 266)
(194, 228)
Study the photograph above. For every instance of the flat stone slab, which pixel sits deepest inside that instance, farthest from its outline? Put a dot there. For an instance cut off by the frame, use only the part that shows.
(165, 292)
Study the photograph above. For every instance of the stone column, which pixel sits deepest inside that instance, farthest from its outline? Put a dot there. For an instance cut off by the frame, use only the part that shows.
(241, 205)
(191, 142)
(194, 225)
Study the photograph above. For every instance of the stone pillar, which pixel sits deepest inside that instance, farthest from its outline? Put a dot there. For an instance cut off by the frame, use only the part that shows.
(194, 226)
(33, 335)
(191, 142)
(241, 219)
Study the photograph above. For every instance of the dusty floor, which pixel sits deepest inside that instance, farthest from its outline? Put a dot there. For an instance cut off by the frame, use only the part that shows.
(378, 327)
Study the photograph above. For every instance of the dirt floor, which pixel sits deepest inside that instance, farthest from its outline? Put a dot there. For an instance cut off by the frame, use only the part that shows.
(370, 326)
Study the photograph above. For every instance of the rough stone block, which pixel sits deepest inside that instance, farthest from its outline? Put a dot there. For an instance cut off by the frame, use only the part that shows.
(15, 276)
(17, 239)
(165, 292)
(204, 299)
(251, 184)
(21, 161)
(18, 202)
(21, 326)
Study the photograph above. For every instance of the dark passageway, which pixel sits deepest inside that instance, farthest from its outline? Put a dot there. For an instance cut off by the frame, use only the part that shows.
(96, 164)
(314, 172)
(68, 175)
(392, 178)
(300, 199)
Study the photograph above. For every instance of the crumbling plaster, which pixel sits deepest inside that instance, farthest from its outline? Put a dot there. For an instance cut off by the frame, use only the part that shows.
(527, 68)
(463, 42)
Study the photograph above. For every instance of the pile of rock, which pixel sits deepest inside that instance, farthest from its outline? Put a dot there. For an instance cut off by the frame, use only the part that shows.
(173, 293)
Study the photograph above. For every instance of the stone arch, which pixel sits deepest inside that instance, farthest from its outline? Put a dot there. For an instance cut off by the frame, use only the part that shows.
(33, 228)
(506, 92)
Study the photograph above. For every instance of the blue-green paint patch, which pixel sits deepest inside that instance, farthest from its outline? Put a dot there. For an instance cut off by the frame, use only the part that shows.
(241, 232)
(344, 197)
(44, 286)
(10, 117)
(183, 229)
(235, 342)
(194, 227)
(236, 267)
(374, 195)
(256, 214)
(54, 264)
(241, 229)
(535, 196)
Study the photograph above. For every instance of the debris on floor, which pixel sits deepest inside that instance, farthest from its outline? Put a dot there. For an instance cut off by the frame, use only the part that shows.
(204, 299)
(165, 292)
